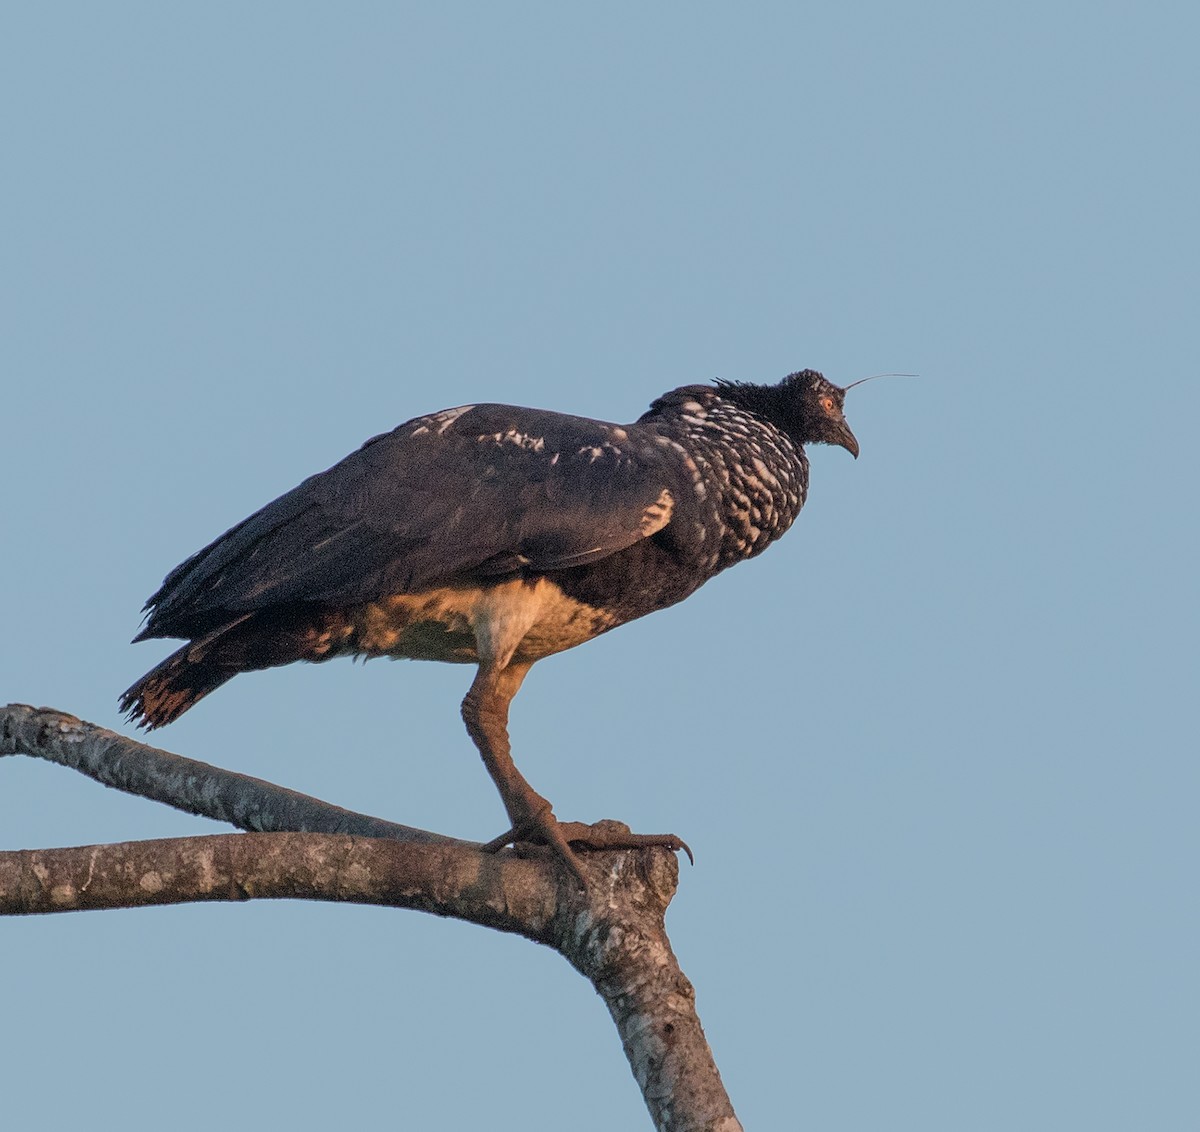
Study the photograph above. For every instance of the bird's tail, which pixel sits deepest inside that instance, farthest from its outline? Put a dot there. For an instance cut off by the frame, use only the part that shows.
(178, 683)
(248, 643)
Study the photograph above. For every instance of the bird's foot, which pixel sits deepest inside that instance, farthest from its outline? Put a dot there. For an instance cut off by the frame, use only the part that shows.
(617, 835)
(544, 828)
(539, 826)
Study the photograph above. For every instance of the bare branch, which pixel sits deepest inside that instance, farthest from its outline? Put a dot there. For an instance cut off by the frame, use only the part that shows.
(613, 933)
(497, 890)
(186, 784)
(620, 944)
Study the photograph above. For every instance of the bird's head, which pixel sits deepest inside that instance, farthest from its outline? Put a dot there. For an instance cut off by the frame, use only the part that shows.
(804, 405)
(815, 409)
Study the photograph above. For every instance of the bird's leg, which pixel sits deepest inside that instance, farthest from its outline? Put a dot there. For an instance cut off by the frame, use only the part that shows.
(485, 712)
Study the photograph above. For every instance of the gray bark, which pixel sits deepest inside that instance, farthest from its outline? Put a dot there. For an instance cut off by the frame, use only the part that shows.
(186, 784)
(614, 933)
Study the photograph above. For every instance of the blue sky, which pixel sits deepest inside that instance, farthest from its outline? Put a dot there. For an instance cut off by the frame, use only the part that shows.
(935, 751)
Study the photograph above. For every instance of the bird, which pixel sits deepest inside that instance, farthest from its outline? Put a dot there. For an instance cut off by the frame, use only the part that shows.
(495, 535)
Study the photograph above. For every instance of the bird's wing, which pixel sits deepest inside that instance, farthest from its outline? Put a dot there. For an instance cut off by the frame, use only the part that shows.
(467, 493)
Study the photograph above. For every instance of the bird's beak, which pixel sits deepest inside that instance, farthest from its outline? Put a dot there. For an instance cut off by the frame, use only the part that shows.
(846, 439)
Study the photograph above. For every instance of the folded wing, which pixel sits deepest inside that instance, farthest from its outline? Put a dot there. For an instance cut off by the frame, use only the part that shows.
(466, 494)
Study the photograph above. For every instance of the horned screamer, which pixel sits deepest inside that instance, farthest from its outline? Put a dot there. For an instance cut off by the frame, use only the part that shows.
(496, 536)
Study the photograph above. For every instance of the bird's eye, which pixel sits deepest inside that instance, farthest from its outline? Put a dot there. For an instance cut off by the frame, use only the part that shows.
(827, 404)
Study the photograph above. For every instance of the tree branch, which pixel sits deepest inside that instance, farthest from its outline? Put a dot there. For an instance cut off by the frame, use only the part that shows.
(497, 891)
(614, 933)
(186, 784)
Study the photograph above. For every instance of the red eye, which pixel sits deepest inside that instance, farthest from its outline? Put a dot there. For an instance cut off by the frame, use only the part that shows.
(827, 404)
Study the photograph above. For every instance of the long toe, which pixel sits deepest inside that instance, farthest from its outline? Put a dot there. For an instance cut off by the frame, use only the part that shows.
(617, 835)
(545, 829)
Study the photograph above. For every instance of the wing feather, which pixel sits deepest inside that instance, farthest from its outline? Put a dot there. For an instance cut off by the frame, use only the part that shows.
(475, 492)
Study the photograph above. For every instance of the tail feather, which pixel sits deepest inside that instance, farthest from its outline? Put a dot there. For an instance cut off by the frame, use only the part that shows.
(246, 644)
(172, 687)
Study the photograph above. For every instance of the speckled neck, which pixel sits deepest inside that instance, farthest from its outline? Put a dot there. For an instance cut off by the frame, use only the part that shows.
(751, 476)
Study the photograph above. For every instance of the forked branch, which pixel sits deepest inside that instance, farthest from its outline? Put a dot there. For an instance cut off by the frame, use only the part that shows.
(613, 934)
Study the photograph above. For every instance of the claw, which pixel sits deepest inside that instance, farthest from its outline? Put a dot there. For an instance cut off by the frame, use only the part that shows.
(615, 835)
(560, 836)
